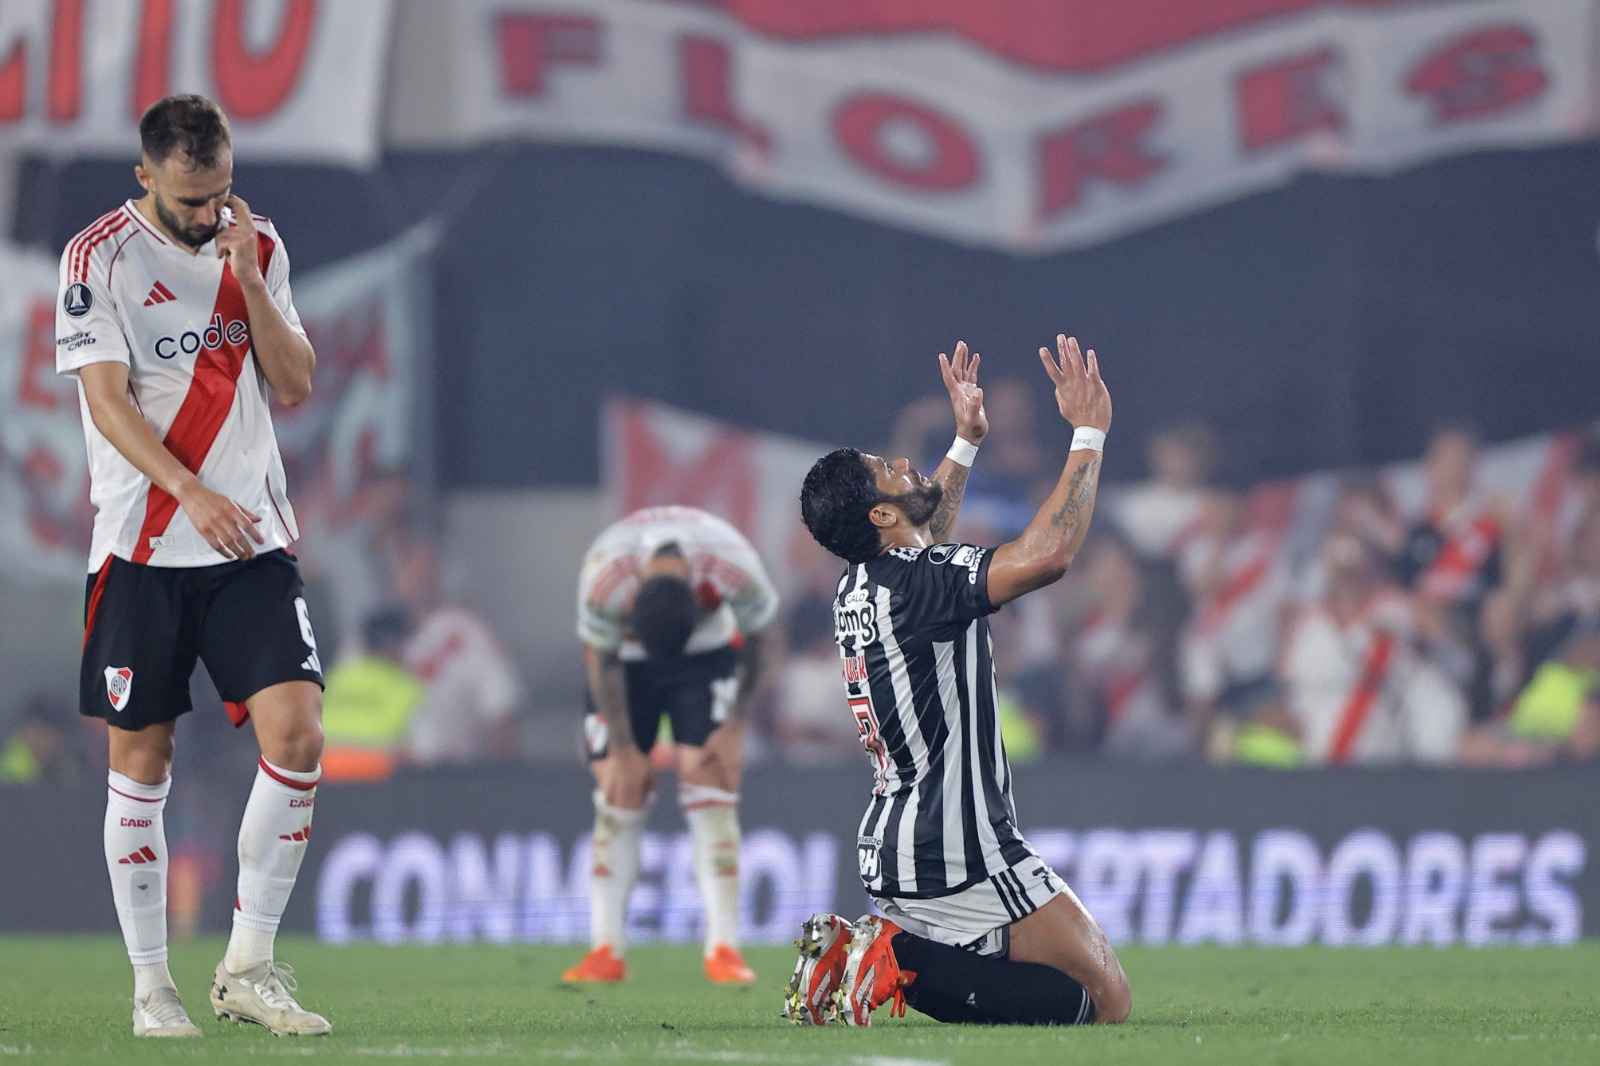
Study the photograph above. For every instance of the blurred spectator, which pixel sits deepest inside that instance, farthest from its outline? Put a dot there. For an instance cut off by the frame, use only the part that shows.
(471, 689)
(38, 749)
(1120, 674)
(1556, 717)
(811, 723)
(1009, 479)
(1161, 514)
(1356, 688)
(1451, 557)
(1237, 574)
(370, 704)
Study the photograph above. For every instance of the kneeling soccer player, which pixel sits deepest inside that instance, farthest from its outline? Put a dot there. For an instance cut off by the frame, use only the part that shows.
(976, 927)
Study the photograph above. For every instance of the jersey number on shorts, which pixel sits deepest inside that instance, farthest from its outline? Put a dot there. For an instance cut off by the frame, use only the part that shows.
(312, 662)
(877, 753)
(724, 694)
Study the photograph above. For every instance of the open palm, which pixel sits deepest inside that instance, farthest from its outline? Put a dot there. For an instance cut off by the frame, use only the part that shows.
(960, 374)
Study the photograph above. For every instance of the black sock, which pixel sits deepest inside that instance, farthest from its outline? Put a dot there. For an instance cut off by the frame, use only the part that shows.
(954, 985)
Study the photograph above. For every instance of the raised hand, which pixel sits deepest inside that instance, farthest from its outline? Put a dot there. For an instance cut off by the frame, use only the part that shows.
(960, 376)
(1081, 397)
(236, 242)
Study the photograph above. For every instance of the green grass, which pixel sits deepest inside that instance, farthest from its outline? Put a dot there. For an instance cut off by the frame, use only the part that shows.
(65, 1000)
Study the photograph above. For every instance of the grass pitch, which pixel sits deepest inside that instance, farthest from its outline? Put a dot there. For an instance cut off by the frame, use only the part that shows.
(65, 1000)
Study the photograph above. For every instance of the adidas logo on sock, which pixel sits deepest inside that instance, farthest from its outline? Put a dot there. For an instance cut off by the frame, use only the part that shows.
(299, 836)
(138, 858)
(158, 294)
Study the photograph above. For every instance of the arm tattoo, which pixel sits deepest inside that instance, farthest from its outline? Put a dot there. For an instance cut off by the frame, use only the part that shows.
(1080, 495)
(955, 489)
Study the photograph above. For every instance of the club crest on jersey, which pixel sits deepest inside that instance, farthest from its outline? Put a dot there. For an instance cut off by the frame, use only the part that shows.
(78, 300)
(119, 686)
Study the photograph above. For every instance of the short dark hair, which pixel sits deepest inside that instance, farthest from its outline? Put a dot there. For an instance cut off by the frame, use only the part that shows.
(835, 501)
(189, 124)
(664, 615)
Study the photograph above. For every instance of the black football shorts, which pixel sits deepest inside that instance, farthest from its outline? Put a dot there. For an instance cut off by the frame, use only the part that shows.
(145, 626)
(695, 693)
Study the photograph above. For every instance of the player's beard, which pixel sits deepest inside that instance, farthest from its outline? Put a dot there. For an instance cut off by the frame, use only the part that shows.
(194, 237)
(920, 504)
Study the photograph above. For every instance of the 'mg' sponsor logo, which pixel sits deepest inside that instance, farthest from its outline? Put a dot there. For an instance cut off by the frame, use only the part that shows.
(855, 620)
(214, 336)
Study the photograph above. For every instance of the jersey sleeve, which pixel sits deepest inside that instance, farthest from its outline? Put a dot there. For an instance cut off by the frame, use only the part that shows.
(752, 597)
(87, 329)
(277, 278)
(599, 625)
(950, 583)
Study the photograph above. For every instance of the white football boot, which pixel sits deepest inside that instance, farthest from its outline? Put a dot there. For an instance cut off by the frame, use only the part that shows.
(264, 995)
(160, 1013)
(824, 943)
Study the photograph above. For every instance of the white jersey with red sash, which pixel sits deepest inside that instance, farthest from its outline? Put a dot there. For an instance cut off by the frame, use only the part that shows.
(178, 322)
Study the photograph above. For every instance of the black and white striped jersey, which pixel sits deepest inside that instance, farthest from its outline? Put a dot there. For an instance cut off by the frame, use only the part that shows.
(919, 676)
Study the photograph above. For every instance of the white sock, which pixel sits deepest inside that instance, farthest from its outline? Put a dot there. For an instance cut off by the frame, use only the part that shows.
(618, 832)
(136, 856)
(272, 843)
(713, 817)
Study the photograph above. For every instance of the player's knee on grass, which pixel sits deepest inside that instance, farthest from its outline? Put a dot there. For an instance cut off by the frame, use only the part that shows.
(1114, 1002)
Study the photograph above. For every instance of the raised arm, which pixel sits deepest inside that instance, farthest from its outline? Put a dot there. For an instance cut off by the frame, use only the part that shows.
(286, 356)
(960, 376)
(1041, 555)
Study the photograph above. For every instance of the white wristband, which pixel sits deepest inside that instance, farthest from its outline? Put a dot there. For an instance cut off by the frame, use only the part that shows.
(1087, 438)
(962, 451)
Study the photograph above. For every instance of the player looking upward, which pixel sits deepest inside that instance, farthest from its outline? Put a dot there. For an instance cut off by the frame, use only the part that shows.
(976, 926)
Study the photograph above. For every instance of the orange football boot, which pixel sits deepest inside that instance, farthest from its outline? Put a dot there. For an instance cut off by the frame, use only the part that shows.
(599, 966)
(725, 966)
(872, 975)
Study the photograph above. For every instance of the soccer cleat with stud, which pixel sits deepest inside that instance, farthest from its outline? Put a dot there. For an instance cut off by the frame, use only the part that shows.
(872, 976)
(264, 995)
(600, 966)
(824, 943)
(160, 1013)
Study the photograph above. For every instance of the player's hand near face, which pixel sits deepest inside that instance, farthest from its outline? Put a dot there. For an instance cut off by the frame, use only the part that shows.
(1081, 397)
(625, 775)
(236, 242)
(960, 375)
(225, 525)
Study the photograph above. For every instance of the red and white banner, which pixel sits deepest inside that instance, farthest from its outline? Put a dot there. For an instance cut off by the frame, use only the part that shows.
(1029, 126)
(368, 318)
(299, 79)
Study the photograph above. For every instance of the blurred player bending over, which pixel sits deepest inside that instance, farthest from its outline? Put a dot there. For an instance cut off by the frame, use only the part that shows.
(177, 320)
(671, 605)
(978, 928)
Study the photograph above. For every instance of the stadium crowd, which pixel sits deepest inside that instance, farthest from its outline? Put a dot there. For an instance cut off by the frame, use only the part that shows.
(1288, 624)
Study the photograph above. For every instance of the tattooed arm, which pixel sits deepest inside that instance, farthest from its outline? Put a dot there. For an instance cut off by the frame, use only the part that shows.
(960, 376)
(1041, 555)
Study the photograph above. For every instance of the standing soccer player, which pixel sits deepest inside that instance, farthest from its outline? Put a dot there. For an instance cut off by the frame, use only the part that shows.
(672, 603)
(176, 319)
(978, 928)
